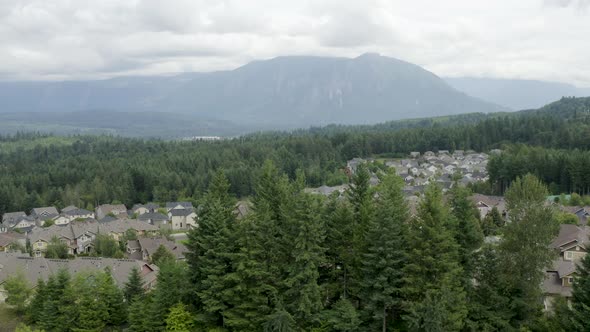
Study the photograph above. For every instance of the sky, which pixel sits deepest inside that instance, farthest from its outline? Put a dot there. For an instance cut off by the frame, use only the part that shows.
(87, 39)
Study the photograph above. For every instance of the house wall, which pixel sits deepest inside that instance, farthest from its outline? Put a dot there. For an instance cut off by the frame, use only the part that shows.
(566, 281)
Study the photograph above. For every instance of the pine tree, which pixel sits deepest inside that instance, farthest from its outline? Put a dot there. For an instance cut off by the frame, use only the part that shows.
(467, 231)
(18, 291)
(179, 319)
(92, 310)
(342, 317)
(171, 288)
(112, 297)
(134, 286)
(385, 255)
(162, 255)
(581, 296)
(213, 247)
(302, 295)
(37, 303)
(433, 290)
(525, 247)
(139, 314)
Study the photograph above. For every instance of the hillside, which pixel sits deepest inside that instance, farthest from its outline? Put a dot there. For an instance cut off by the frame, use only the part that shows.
(285, 92)
(516, 94)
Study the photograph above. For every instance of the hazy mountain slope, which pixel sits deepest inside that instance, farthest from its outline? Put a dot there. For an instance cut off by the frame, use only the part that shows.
(281, 92)
(516, 94)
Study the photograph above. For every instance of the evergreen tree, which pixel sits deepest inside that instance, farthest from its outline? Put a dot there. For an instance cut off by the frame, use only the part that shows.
(525, 247)
(162, 256)
(581, 296)
(92, 310)
(434, 292)
(467, 231)
(139, 315)
(385, 254)
(211, 247)
(56, 249)
(171, 288)
(302, 296)
(342, 317)
(112, 297)
(134, 286)
(179, 319)
(37, 303)
(18, 291)
(492, 222)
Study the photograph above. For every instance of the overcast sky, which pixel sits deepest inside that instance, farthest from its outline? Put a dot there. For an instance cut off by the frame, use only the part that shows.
(78, 39)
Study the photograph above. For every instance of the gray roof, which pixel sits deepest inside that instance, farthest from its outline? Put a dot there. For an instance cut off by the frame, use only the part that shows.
(77, 212)
(41, 268)
(180, 212)
(552, 285)
(12, 216)
(150, 246)
(69, 208)
(45, 211)
(570, 235)
(152, 216)
(186, 205)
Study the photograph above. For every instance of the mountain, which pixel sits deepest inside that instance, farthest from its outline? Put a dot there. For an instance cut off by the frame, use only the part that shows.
(516, 94)
(284, 92)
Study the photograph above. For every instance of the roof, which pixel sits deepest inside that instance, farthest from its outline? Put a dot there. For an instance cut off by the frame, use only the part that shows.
(108, 208)
(12, 216)
(122, 225)
(35, 268)
(152, 216)
(45, 211)
(77, 212)
(149, 246)
(8, 238)
(69, 208)
(185, 205)
(149, 206)
(552, 285)
(180, 212)
(570, 235)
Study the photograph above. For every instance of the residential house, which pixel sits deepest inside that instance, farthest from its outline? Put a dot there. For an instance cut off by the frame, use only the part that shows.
(35, 268)
(144, 248)
(40, 238)
(485, 204)
(118, 228)
(78, 214)
(414, 154)
(154, 218)
(140, 209)
(581, 212)
(443, 153)
(182, 219)
(44, 213)
(11, 217)
(570, 245)
(9, 240)
(352, 165)
(327, 191)
(117, 210)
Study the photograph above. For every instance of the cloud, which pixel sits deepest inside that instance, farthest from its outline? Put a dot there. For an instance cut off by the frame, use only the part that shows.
(64, 39)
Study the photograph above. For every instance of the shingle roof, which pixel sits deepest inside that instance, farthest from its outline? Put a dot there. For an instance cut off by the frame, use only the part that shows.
(45, 211)
(12, 216)
(180, 212)
(41, 268)
(152, 216)
(186, 205)
(151, 245)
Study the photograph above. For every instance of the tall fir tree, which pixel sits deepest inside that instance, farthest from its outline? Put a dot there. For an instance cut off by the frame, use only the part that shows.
(385, 255)
(580, 302)
(112, 296)
(435, 298)
(134, 286)
(212, 249)
(524, 249)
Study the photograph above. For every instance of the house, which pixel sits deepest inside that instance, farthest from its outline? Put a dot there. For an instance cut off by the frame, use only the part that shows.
(39, 238)
(352, 165)
(118, 210)
(580, 212)
(326, 191)
(182, 219)
(179, 206)
(414, 154)
(23, 223)
(35, 268)
(78, 214)
(143, 248)
(570, 246)
(154, 218)
(9, 240)
(118, 228)
(485, 204)
(140, 209)
(457, 154)
(61, 220)
(443, 153)
(69, 208)
(44, 213)
(429, 154)
(11, 217)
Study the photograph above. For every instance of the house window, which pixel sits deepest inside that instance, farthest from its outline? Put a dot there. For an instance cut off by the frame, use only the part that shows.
(569, 255)
(570, 280)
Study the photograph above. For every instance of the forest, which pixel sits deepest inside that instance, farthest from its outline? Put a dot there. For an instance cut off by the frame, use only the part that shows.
(304, 262)
(44, 170)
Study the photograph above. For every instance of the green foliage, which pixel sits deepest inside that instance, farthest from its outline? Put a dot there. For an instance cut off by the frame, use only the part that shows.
(162, 256)
(581, 296)
(341, 317)
(524, 250)
(25, 328)
(179, 319)
(492, 222)
(385, 254)
(18, 291)
(567, 218)
(435, 298)
(106, 246)
(57, 249)
(134, 286)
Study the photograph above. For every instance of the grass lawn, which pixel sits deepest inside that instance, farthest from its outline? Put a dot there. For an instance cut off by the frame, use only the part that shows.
(8, 319)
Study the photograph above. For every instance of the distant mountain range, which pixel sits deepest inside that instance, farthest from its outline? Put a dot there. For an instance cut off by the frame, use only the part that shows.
(281, 93)
(516, 94)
